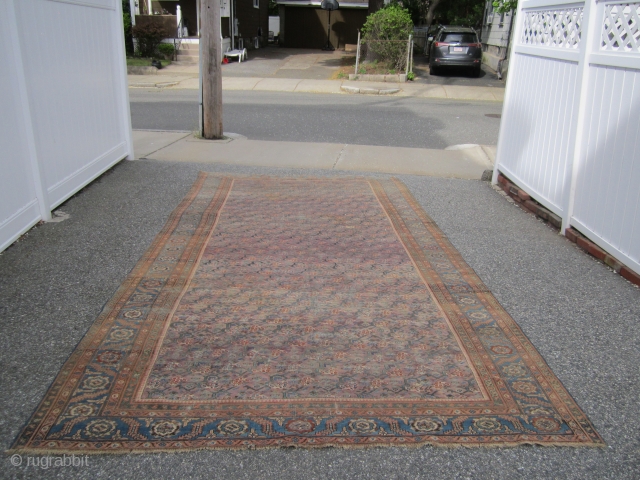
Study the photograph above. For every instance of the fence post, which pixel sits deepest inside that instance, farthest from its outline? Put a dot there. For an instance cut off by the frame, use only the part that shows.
(589, 42)
(35, 166)
(123, 86)
(411, 56)
(358, 53)
(408, 54)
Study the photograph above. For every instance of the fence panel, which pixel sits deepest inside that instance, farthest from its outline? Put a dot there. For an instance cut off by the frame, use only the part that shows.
(570, 132)
(64, 99)
(607, 180)
(19, 209)
(535, 145)
(538, 122)
(80, 128)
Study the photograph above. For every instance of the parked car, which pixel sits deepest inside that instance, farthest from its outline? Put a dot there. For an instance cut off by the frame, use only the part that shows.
(455, 46)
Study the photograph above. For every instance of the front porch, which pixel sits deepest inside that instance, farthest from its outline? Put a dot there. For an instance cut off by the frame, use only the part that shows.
(182, 18)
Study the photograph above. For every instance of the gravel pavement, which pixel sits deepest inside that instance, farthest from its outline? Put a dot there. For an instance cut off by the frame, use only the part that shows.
(583, 319)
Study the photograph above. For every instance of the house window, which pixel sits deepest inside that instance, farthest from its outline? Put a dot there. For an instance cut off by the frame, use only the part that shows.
(256, 3)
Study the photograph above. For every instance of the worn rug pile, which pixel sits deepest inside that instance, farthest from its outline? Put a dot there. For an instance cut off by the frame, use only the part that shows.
(302, 312)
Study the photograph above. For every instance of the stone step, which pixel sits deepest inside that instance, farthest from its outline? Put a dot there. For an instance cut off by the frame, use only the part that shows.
(189, 46)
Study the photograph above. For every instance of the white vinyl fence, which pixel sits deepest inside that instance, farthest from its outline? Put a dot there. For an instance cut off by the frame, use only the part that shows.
(64, 104)
(570, 131)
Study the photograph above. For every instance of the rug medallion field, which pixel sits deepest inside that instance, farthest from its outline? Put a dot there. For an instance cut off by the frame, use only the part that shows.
(308, 312)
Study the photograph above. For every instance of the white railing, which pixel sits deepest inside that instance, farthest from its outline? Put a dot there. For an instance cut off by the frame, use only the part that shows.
(64, 102)
(570, 131)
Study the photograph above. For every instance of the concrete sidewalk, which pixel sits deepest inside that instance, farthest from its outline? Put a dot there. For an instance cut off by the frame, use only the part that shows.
(468, 162)
(268, 84)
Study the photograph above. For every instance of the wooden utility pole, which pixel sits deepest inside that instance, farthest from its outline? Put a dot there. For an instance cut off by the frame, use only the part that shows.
(211, 69)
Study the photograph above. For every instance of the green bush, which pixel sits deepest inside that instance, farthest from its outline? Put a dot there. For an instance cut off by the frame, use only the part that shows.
(167, 49)
(148, 38)
(386, 33)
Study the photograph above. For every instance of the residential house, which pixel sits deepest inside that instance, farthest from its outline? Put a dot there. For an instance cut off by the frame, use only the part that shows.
(496, 28)
(247, 19)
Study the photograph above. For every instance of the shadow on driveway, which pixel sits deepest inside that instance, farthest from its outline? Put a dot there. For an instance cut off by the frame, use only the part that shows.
(454, 75)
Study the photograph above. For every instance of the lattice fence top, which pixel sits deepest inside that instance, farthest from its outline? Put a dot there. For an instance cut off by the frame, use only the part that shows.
(553, 28)
(621, 28)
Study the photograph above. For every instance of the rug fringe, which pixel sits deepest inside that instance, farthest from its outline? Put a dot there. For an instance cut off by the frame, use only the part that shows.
(425, 444)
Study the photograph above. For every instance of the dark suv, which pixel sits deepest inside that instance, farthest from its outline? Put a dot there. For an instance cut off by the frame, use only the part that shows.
(456, 46)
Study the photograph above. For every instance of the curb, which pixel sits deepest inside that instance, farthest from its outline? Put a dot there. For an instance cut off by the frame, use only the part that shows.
(395, 78)
(369, 91)
(574, 236)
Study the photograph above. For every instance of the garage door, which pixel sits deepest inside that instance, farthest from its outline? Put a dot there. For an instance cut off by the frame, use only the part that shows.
(307, 27)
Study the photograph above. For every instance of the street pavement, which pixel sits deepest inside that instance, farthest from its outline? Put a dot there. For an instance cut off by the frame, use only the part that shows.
(581, 317)
(307, 117)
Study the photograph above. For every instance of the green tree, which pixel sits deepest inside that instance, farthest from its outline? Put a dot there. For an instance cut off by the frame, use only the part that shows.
(416, 9)
(462, 12)
(505, 6)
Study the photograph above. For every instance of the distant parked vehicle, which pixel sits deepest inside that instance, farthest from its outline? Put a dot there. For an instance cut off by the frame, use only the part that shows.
(455, 46)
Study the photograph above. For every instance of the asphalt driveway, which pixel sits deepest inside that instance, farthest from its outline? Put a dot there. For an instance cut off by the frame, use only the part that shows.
(582, 318)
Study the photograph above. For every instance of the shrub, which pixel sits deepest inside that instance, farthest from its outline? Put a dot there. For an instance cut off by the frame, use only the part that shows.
(149, 37)
(167, 49)
(386, 33)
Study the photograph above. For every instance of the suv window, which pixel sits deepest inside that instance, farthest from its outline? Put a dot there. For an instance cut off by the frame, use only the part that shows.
(456, 37)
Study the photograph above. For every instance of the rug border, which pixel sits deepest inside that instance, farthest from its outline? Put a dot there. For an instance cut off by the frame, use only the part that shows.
(454, 253)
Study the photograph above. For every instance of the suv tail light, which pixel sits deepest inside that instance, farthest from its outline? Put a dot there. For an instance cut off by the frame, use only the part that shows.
(475, 45)
(441, 44)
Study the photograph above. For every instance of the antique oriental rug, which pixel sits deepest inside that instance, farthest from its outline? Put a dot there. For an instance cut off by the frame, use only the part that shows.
(307, 312)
